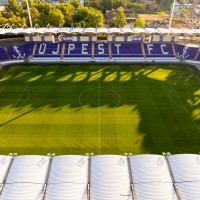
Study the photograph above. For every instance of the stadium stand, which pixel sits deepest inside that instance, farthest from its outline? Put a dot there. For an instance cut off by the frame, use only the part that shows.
(101, 50)
(158, 50)
(78, 50)
(108, 177)
(185, 52)
(126, 50)
(20, 52)
(3, 55)
(198, 58)
(48, 50)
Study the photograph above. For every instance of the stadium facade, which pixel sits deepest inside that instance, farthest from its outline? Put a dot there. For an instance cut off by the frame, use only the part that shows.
(102, 45)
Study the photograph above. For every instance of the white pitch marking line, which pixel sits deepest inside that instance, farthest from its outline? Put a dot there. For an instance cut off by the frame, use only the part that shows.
(184, 107)
(15, 105)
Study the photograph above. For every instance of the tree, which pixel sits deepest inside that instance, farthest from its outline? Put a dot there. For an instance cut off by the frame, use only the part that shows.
(44, 7)
(30, 2)
(55, 17)
(106, 5)
(138, 7)
(75, 3)
(14, 7)
(94, 3)
(88, 17)
(67, 10)
(119, 20)
(139, 22)
(96, 18)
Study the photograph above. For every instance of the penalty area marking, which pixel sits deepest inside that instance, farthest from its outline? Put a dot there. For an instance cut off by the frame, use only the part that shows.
(183, 105)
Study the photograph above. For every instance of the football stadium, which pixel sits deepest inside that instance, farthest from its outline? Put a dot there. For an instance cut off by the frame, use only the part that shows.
(100, 114)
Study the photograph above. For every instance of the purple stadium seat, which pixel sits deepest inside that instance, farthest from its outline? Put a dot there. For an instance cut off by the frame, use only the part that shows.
(185, 52)
(126, 50)
(101, 50)
(20, 52)
(78, 49)
(3, 55)
(158, 50)
(48, 50)
(198, 58)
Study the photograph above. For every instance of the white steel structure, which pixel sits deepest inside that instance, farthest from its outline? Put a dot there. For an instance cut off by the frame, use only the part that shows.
(109, 179)
(68, 178)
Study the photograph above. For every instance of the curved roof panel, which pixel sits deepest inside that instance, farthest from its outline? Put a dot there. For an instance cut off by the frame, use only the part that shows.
(181, 166)
(69, 169)
(126, 30)
(102, 30)
(77, 30)
(114, 30)
(156, 170)
(22, 191)
(32, 169)
(151, 30)
(139, 30)
(163, 30)
(89, 30)
(110, 178)
(64, 30)
(68, 178)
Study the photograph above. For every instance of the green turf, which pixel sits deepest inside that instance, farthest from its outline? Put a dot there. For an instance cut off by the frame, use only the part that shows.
(99, 108)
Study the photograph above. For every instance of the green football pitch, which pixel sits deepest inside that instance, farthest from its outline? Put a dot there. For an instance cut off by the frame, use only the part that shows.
(104, 109)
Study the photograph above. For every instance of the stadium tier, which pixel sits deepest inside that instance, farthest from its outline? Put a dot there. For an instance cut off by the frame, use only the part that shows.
(104, 177)
(126, 50)
(3, 55)
(78, 50)
(186, 52)
(158, 50)
(48, 50)
(99, 52)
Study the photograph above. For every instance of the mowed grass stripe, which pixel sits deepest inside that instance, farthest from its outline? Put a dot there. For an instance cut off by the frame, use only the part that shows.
(139, 112)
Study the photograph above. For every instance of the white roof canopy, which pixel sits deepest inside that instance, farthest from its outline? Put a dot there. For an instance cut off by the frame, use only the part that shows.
(186, 172)
(109, 178)
(31, 169)
(151, 178)
(68, 178)
(69, 30)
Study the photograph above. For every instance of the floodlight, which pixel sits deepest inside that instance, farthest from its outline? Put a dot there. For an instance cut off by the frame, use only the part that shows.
(91, 154)
(168, 154)
(126, 154)
(163, 153)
